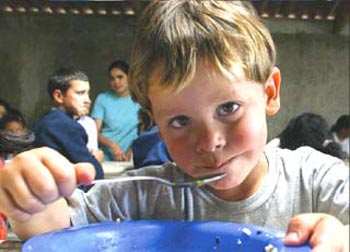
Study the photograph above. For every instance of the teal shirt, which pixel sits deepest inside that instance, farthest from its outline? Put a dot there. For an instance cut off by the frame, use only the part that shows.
(119, 120)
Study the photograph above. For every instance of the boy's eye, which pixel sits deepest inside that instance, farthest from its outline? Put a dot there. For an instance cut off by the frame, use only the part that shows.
(179, 121)
(227, 108)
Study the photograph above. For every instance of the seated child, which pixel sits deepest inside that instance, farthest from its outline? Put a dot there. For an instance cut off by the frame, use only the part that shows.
(14, 136)
(69, 90)
(13, 122)
(208, 77)
(148, 148)
(339, 133)
(308, 129)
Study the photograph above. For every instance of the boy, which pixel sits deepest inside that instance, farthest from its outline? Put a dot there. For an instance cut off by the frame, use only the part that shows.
(210, 84)
(69, 90)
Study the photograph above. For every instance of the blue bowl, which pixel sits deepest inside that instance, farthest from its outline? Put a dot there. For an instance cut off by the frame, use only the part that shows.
(162, 236)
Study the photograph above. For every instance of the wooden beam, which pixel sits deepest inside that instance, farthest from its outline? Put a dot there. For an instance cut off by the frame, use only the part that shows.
(341, 15)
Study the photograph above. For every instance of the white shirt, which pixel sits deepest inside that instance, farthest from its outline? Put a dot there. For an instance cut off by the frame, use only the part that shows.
(344, 144)
(91, 130)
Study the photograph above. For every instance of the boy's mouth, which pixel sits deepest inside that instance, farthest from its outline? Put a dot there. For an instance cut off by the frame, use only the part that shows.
(228, 161)
(216, 165)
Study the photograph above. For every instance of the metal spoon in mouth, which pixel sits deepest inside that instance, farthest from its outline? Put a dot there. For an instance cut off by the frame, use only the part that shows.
(192, 183)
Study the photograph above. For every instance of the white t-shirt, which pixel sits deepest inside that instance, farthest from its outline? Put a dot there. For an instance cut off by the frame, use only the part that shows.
(344, 144)
(91, 130)
(300, 181)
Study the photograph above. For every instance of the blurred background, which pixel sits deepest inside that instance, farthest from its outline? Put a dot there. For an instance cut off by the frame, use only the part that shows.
(37, 37)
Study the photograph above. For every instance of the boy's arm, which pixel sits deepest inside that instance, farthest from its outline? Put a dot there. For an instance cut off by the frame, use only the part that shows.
(98, 154)
(66, 136)
(323, 232)
(72, 145)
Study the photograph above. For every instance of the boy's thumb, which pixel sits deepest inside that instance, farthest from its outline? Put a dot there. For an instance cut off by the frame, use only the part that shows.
(85, 173)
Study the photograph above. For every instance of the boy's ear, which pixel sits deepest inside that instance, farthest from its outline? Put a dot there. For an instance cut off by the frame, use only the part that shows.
(57, 96)
(272, 91)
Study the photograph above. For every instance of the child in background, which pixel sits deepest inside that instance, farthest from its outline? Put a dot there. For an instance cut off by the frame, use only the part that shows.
(208, 77)
(340, 132)
(148, 148)
(69, 90)
(14, 136)
(308, 129)
(13, 122)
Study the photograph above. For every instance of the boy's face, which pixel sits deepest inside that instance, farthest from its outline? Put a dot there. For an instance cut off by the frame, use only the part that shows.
(214, 125)
(119, 82)
(76, 100)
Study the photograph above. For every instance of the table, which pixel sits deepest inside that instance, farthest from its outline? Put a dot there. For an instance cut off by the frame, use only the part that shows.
(114, 169)
(10, 246)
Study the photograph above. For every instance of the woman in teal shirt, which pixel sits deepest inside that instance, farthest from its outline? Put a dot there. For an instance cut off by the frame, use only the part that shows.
(116, 115)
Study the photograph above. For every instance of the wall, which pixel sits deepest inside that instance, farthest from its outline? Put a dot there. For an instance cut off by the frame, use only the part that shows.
(315, 71)
(314, 62)
(32, 47)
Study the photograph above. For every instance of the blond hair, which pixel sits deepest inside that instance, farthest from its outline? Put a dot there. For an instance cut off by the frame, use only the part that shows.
(175, 35)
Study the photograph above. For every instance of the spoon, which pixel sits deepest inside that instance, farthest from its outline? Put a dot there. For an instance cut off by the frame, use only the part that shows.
(198, 182)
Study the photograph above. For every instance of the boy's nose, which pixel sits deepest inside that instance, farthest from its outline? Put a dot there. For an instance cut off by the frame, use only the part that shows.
(88, 100)
(210, 139)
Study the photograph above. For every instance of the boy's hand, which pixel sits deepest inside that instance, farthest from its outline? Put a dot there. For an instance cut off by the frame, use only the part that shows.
(128, 155)
(118, 153)
(98, 154)
(36, 178)
(323, 232)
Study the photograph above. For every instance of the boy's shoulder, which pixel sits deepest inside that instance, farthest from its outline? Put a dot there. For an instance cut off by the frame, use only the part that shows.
(55, 118)
(304, 160)
(55, 113)
(307, 154)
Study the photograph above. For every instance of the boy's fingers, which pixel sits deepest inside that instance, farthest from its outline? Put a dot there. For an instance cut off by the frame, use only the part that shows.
(321, 231)
(10, 209)
(23, 198)
(330, 235)
(328, 232)
(85, 173)
(34, 186)
(300, 229)
(54, 175)
(51, 164)
(68, 175)
(41, 176)
(40, 182)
